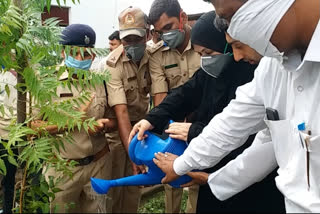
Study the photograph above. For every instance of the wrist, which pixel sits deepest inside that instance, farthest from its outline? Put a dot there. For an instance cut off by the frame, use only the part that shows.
(180, 167)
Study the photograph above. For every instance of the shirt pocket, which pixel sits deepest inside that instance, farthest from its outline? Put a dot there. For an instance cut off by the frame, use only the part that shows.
(146, 83)
(131, 89)
(285, 139)
(173, 76)
(192, 69)
(97, 107)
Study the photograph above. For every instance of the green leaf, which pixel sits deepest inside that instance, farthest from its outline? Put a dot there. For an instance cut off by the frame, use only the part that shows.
(3, 168)
(74, 52)
(85, 126)
(48, 5)
(82, 52)
(2, 110)
(55, 190)
(12, 160)
(7, 90)
(89, 51)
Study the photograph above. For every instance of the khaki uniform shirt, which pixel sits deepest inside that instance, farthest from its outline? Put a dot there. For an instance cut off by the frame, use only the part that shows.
(8, 102)
(170, 69)
(129, 84)
(84, 145)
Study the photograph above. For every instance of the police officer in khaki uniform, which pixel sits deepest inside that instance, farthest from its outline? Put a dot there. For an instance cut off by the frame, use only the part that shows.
(90, 151)
(171, 65)
(128, 91)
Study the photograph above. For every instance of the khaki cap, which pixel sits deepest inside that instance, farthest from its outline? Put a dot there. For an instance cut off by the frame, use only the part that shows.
(132, 21)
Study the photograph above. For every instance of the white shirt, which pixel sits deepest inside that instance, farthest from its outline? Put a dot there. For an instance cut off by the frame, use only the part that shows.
(295, 94)
(253, 165)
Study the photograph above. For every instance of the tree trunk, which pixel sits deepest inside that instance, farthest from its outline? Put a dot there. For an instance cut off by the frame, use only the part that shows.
(23, 63)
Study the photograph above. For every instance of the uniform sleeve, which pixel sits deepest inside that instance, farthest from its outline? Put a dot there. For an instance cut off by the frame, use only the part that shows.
(116, 92)
(226, 131)
(253, 165)
(158, 77)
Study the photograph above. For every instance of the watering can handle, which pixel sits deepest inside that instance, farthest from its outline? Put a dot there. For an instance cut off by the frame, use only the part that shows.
(132, 148)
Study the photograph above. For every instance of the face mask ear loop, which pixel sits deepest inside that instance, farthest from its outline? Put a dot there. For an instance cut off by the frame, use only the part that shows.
(225, 50)
(181, 24)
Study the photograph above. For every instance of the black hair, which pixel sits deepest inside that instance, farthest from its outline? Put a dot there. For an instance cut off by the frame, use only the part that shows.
(115, 35)
(205, 34)
(170, 7)
(221, 24)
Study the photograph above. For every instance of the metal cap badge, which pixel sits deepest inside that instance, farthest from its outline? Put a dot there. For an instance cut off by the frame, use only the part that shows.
(78, 35)
(132, 21)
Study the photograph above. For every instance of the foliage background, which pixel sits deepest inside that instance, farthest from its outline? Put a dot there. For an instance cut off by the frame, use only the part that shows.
(31, 48)
(155, 203)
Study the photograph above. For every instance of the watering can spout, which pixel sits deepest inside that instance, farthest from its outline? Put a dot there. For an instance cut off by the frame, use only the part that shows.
(102, 186)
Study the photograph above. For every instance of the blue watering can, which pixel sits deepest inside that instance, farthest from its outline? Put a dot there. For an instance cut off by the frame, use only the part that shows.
(142, 153)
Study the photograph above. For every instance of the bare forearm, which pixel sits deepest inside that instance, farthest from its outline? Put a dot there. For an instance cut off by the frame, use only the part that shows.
(124, 125)
(40, 124)
(158, 98)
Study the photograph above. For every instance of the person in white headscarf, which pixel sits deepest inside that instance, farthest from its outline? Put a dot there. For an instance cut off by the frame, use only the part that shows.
(286, 86)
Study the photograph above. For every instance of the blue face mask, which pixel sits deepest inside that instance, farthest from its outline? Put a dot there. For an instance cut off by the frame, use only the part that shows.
(73, 63)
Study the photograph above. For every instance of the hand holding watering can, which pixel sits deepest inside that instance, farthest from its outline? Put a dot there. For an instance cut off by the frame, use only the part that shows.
(142, 152)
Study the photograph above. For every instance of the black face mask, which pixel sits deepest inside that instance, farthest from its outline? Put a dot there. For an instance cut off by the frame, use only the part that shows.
(217, 64)
(135, 52)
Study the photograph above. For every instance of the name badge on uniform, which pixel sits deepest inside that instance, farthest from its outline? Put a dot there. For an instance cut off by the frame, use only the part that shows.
(66, 95)
(170, 66)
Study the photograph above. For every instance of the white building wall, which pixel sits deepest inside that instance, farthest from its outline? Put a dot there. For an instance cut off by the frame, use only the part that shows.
(102, 15)
(99, 14)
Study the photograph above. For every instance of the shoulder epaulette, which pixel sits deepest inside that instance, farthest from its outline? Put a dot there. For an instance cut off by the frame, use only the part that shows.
(114, 56)
(155, 47)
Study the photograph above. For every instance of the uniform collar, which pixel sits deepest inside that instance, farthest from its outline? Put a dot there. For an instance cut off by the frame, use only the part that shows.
(125, 57)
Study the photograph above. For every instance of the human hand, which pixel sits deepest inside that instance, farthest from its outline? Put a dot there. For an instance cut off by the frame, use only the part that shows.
(200, 178)
(140, 127)
(165, 163)
(179, 130)
(36, 124)
(138, 169)
(110, 125)
(84, 107)
(100, 126)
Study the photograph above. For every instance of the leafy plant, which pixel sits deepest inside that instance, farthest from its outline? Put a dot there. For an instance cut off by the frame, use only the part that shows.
(31, 48)
(156, 203)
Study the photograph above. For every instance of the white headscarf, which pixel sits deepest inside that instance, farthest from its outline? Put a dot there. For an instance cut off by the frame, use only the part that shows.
(255, 22)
